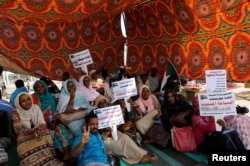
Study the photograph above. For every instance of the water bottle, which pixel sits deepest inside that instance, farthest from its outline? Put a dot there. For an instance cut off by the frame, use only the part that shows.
(50, 124)
(50, 118)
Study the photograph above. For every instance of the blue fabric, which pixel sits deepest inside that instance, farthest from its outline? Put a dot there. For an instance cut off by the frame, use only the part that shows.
(6, 106)
(60, 132)
(15, 93)
(47, 98)
(158, 122)
(76, 126)
(93, 151)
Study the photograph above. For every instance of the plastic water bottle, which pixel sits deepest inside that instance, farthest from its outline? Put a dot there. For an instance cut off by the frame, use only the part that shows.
(50, 118)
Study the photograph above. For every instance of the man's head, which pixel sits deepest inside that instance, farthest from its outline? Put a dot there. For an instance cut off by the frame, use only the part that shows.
(19, 83)
(101, 101)
(91, 120)
(65, 76)
(144, 77)
(93, 75)
(153, 72)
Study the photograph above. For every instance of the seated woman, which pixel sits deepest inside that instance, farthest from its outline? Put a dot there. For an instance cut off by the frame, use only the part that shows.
(34, 143)
(241, 123)
(124, 146)
(72, 101)
(148, 109)
(62, 136)
(176, 111)
(42, 97)
(207, 138)
(85, 86)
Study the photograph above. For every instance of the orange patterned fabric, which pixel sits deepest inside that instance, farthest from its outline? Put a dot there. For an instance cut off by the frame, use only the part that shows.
(196, 35)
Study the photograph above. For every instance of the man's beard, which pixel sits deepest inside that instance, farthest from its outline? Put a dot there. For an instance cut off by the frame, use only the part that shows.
(95, 130)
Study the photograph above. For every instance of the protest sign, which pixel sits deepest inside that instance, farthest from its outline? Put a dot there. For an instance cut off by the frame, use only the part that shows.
(81, 58)
(124, 88)
(216, 81)
(109, 116)
(213, 104)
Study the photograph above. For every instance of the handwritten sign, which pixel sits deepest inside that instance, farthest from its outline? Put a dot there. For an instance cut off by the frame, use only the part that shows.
(213, 104)
(109, 116)
(82, 58)
(124, 88)
(216, 81)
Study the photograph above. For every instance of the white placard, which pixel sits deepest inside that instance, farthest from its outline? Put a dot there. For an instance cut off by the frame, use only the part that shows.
(81, 58)
(213, 104)
(124, 88)
(216, 81)
(109, 116)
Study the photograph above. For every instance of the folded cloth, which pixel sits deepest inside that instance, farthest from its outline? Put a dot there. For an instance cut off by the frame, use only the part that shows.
(5, 142)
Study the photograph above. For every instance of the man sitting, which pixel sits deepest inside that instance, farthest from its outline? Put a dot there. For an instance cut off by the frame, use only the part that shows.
(89, 146)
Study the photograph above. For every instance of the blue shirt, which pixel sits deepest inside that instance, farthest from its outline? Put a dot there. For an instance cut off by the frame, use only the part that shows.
(93, 151)
(4, 105)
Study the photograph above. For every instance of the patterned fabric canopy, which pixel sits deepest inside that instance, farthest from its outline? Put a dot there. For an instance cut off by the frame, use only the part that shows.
(196, 35)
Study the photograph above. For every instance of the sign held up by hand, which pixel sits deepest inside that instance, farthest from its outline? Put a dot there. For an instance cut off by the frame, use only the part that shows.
(82, 58)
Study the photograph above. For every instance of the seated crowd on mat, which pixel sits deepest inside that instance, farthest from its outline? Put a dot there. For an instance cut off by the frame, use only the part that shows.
(53, 126)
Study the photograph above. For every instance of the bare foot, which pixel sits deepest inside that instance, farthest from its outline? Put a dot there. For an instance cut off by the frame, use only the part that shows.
(148, 141)
(149, 158)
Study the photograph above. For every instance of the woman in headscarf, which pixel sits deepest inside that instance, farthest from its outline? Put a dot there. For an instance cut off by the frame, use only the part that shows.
(43, 97)
(176, 111)
(206, 136)
(148, 109)
(34, 143)
(62, 136)
(72, 100)
(124, 146)
(85, 86)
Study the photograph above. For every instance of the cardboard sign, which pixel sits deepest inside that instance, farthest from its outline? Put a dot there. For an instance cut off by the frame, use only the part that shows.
(109, 116)
(213, 104)
(124, 88)
(216, 81)
(82, 58)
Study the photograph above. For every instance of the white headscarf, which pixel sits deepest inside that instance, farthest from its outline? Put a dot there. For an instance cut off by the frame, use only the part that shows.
(33, 114)
(80, 100)
(89, 92)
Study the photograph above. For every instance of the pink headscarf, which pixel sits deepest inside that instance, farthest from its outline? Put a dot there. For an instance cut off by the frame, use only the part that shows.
(145, 105)
(195, 100)
(89, 92)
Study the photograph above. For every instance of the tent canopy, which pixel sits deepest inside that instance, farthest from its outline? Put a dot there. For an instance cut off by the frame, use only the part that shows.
(8, 65)
(195, 35)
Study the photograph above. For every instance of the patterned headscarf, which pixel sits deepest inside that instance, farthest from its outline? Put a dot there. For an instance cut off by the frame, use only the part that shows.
(47, 98)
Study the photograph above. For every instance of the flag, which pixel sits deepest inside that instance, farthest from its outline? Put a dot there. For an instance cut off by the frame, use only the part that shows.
(170, 72)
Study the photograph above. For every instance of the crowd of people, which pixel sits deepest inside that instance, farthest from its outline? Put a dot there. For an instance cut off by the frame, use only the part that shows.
(58, 126)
